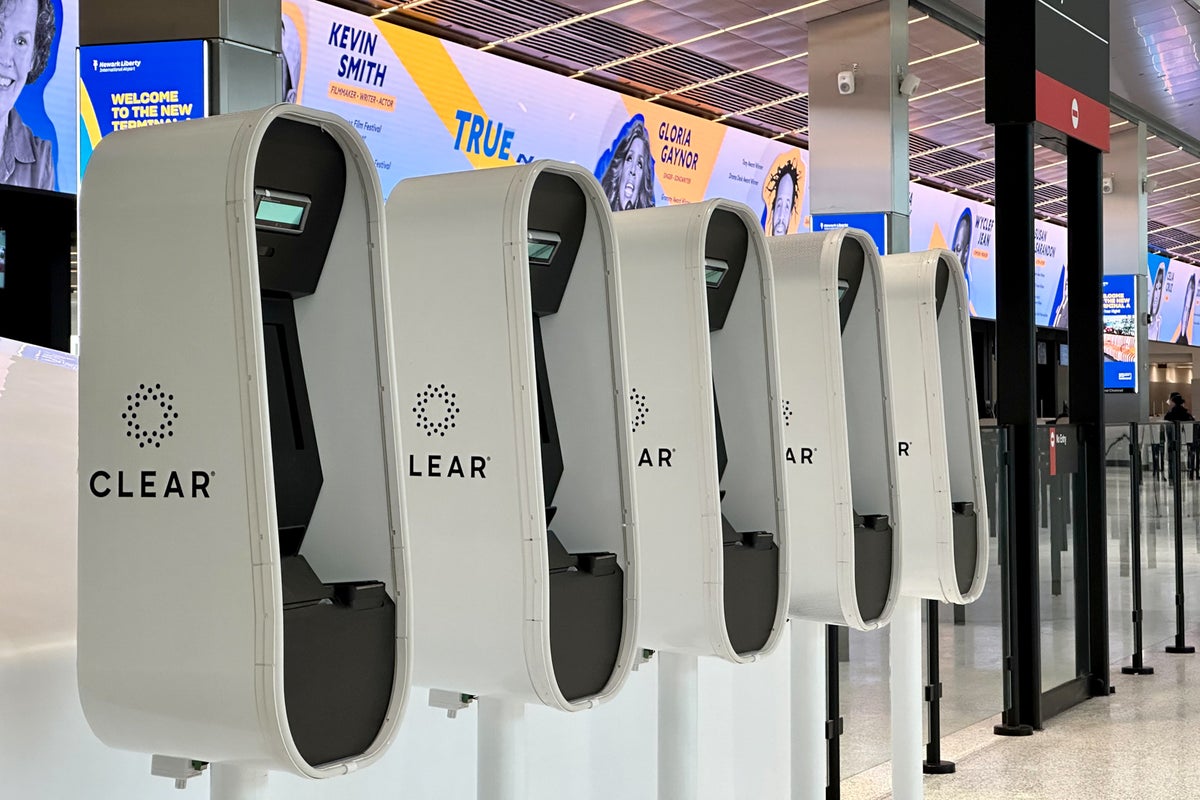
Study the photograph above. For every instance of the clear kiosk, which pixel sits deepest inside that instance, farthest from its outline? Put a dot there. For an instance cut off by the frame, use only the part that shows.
(707, 436)
(941, 474)
(841, 461)
(518, 472)
(243, 583)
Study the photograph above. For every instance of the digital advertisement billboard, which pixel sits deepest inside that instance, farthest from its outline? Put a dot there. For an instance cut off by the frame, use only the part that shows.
(125, 86)
(426, 106)
(967, 227)
(1120, 333)
(1172, 302)
(38, 104)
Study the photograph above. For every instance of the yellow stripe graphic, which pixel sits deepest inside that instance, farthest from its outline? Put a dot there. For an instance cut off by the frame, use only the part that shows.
(88, 112)
(439, 79)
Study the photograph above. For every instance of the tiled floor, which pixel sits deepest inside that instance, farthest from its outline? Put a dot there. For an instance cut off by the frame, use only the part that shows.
(1109, 734)
(1141, 742)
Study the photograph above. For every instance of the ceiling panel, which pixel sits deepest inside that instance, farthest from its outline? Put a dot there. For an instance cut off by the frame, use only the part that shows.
(684, 52)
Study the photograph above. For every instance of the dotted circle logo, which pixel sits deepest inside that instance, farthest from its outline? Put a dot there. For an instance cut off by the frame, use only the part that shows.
(150, 415)
(641, 407)
(787, 413)
(436, 409)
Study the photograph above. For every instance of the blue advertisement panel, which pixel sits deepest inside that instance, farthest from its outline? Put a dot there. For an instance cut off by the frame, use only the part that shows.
(133, 85)
(873, 224)
(1120, 333)
(37, 106)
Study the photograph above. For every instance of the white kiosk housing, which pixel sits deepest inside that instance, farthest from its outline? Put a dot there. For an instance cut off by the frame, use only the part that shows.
(707, 436)
(237, 439)
(841, 462)
(941, 475)
(841, 456)
(937, 418)
(707, 429)
(518, 473)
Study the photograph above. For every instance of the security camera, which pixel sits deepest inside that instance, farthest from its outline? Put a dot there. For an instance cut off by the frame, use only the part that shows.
(1106, 184)
(846, 83)
(909, 84)
(1149, 185)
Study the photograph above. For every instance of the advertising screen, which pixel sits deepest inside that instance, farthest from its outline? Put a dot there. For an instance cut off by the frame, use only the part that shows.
(426, 106)
(1172, 302)
(38, 106)
(967, 227)
(133, 85)
(1120, 333)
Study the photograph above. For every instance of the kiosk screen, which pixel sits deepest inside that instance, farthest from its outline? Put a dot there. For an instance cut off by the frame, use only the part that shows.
(280, 211)
(714, 271)
(542, 247)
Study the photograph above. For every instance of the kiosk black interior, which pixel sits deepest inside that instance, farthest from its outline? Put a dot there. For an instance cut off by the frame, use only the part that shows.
(873, 534)
(587, 592)
(339, 638)
(751, 557)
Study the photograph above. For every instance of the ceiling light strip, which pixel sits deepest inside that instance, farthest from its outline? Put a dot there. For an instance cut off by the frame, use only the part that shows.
(665, 47)
(727, 76)
(950, 52)
(979, 163)
(400, 7)
(928, 125)
(945, 147)
(1179, 199)
(560, 24)
(761, 106)
(1172, 169)
(936, 92)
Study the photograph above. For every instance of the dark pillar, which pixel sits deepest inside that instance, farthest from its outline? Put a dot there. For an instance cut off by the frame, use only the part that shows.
(1085, 243)
(1016, 361)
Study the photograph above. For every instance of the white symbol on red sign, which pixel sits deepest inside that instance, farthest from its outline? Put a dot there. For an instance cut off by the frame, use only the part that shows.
(1075, 112)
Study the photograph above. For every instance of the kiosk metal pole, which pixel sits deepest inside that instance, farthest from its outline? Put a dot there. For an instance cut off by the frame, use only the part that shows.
(808, 710)
(1181, 646)
(834, 724)
(235, 782)
(1135, 550)
(501, 750)
(678, 726)
(934, 765)
(905, 662)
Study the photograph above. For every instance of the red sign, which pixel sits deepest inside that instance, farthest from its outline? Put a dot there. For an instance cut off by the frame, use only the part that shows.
(1072, 112)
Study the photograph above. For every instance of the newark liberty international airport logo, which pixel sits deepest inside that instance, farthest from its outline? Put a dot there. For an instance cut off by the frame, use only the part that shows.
(149, 415)
(437, 413)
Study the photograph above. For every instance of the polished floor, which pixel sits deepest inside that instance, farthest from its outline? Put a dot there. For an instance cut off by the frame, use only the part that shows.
(1142, 742)
(970, 665)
